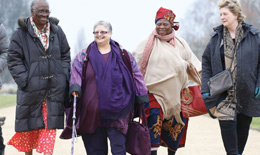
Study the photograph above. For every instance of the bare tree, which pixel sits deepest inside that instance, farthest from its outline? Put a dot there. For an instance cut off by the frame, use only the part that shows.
(10, 11)
(204, 16)
(251, 8)
(81, 42)
(198, 24)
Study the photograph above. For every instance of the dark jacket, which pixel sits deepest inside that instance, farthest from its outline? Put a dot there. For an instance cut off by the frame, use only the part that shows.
(4, 42)
(248, 69)
(39, 74)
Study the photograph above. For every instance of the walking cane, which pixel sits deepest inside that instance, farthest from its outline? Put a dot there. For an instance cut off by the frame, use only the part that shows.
(74, 133)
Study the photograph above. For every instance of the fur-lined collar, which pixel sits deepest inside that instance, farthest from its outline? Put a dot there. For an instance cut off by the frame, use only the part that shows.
(22, 21)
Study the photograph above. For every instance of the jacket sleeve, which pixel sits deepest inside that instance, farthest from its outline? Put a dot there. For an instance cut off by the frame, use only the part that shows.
(76, 72)
(258, 71)
(206, 68)
(65, 52)
(4, 42)
(141, 90)
(15, 61)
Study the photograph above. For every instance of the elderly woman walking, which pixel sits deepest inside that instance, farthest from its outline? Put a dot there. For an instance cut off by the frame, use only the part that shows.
(163, 59)
(39, 61)
(106, 79)
(235, 45)
(4, 42)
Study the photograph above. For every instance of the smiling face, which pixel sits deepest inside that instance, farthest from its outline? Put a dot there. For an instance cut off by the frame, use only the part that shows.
(228, 19)
(102, 35)
(163, 27)
(40, 14)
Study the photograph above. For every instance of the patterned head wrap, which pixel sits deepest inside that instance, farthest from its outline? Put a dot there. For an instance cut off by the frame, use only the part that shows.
(167, 14)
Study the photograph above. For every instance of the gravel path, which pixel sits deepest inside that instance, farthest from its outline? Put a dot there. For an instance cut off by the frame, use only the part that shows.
(203, 138)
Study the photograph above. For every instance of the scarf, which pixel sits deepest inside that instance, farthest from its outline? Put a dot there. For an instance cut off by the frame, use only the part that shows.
(165, 72)
(227, 107)
(115, 85)
(43, 34)
(149, 46)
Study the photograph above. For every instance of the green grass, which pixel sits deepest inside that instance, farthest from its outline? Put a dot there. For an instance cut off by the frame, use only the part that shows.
(10, 100)
(256, 123)
(7, 100)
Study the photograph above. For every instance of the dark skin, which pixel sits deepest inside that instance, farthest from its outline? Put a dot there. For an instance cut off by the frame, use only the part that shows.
(40, 14)
(163, 27)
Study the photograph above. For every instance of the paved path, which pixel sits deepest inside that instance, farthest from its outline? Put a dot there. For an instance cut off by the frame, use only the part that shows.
(203, 138)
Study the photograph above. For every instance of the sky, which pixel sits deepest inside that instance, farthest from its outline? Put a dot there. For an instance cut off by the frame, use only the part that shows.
(131, 20)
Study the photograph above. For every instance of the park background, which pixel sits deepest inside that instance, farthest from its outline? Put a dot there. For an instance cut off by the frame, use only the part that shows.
(132, 22)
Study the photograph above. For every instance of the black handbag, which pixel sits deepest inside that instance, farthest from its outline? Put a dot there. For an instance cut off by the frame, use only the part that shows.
(222, 81)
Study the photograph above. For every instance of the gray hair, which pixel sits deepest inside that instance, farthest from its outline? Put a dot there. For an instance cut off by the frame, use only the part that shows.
(34, 3)
(104, 23)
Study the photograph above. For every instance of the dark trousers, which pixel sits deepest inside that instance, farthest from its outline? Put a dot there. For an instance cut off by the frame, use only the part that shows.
(235, 133)
(2, 146)
(96, 143)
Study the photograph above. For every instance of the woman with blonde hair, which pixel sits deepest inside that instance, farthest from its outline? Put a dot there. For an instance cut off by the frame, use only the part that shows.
(235, 45)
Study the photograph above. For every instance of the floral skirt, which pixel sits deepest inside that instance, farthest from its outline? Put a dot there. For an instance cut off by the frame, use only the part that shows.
(42, 139)
(166, 133)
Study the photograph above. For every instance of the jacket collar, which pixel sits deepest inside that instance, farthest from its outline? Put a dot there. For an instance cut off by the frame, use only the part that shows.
(247, 27)
(24, 23)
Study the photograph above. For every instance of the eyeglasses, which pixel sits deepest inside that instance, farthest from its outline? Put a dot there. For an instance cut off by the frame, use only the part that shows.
(101, 32)
(42, 12)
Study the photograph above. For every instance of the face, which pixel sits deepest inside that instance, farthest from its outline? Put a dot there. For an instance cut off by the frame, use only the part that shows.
(163, 27)
(227, 17)
(41, 13)
(102, 35)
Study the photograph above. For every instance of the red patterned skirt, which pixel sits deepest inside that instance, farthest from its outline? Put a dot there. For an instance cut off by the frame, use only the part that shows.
(42, 139)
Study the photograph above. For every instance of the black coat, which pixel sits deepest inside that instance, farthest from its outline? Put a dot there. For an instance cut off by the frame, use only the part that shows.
(39, 74)
(248, 69)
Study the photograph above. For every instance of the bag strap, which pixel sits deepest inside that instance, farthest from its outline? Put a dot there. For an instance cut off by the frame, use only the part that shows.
(141, 114)
(193, 74)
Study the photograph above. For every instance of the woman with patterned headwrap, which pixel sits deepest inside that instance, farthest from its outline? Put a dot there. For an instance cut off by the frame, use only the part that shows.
(163, 59)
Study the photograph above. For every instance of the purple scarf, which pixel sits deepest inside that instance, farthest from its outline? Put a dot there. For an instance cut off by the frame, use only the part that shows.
(115, 85)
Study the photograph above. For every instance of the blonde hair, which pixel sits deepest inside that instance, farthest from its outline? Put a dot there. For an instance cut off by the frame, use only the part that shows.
(235, 7)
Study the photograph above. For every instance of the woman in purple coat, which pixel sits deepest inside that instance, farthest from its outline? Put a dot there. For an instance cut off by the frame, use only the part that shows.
(106, 79)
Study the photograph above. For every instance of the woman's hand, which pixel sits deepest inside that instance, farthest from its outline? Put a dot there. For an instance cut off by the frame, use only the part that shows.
(205, 95)
(75, 94)
(257, 93)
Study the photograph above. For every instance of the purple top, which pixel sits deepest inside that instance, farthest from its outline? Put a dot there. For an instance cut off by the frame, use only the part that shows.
(89, 117)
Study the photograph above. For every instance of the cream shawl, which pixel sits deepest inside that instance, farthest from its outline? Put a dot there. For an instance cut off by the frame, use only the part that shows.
(166, 74)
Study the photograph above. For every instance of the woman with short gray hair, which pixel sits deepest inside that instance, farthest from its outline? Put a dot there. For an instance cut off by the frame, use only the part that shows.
(106, 79)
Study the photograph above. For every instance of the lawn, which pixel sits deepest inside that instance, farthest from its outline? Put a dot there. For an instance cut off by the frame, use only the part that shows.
(256, 123)
(7, 100)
